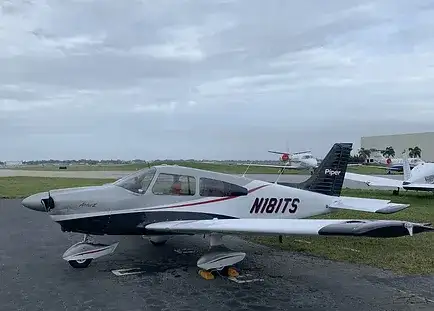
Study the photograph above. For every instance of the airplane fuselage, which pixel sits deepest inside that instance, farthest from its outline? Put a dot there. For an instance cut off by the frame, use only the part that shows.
(114, 209)
(126, 213)
(422, 173)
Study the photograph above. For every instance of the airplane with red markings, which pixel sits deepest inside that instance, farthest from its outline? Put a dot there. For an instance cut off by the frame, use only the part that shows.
(168, 200)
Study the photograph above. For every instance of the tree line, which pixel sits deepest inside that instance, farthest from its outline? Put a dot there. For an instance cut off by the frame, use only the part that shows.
(389, 152)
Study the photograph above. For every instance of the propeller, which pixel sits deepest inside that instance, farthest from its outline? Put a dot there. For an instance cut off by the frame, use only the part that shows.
(48, 203)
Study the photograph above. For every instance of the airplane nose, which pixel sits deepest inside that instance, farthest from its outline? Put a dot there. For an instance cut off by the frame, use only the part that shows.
(33, 202)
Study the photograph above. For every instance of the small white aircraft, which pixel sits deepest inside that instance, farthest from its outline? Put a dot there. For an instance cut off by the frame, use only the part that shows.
(169, 200)
(303, 159)
(420, 178)
(295, 160)
(392, 164)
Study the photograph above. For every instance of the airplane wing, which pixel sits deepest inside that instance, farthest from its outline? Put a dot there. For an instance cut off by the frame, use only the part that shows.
(270, 165)
(257, 165)
(419, 187)
(291, 153)
(262, 226)
(374, 180)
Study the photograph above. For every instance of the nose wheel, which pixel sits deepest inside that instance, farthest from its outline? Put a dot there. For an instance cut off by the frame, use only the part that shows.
(81, 254)
(80, 264)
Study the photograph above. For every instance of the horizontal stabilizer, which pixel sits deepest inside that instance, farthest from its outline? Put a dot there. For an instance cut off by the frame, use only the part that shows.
(374, 181)
(367, 205)
(328, 227)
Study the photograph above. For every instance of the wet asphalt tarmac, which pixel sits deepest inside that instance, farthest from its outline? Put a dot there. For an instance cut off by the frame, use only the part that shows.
(33, 276)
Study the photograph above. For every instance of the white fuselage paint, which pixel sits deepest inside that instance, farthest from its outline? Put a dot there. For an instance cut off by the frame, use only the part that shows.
(422, 173)
(308, 204)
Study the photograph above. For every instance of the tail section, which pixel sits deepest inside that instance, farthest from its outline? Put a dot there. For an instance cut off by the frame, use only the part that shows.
(329, 177)
(406, 166)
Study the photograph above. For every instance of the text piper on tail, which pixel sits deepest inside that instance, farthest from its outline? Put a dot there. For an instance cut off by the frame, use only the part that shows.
(163, 201)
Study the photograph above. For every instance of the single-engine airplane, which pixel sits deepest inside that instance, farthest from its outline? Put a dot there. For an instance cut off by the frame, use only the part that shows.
(167, 200)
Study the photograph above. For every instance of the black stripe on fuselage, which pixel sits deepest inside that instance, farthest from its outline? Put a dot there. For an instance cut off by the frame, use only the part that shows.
(129, 223)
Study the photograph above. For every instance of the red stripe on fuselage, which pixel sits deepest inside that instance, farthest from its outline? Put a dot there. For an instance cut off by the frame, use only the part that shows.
(213, 200)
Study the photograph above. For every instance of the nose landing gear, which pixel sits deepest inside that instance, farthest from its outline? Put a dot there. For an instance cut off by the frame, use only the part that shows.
(81, 254)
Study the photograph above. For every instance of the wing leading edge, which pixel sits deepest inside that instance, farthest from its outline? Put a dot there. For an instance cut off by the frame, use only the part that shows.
(326, 227)
(374, 181)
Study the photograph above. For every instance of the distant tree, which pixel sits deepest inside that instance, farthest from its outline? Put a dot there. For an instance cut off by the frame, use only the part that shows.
(388, 152)
(364, 153)
(356, 159)
(414, 152)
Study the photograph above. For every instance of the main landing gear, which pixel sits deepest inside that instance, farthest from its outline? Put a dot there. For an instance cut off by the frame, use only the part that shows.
(218, 260)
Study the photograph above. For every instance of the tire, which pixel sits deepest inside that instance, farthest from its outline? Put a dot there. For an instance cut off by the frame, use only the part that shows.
(158, 243)
(80, 264)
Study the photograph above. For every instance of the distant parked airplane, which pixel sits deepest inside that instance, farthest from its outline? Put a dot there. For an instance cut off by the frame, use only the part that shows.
(393, 164)
(420, 178)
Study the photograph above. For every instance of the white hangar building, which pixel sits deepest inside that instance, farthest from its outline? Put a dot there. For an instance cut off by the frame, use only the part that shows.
(399, 142)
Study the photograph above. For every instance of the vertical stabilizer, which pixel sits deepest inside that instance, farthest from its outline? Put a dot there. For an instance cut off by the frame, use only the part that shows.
(406, 166)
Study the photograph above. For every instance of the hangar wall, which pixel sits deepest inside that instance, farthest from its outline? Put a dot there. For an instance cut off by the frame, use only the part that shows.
(399, 142)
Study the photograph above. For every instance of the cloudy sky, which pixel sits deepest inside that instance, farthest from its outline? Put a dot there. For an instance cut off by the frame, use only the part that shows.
(210, 79)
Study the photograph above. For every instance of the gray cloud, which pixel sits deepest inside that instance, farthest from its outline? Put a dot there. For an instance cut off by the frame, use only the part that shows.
(201, 79)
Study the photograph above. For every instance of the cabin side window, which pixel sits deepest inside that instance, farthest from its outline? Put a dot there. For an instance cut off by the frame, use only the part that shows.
(172, 184)
(218, 188)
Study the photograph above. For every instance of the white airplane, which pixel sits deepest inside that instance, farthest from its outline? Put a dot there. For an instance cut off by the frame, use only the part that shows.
(303, 159)
(420, 178)
(393, 164)
(296, 160)
(168, 200)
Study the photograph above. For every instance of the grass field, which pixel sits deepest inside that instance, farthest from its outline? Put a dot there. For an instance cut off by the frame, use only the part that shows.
(407, 255)
(22, 186)
(224, 168)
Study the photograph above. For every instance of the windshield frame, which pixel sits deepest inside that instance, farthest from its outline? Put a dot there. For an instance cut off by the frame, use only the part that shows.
(134, 182)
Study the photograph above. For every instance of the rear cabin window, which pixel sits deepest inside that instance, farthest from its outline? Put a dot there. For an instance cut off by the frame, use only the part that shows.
(172, 184)
(217, 188)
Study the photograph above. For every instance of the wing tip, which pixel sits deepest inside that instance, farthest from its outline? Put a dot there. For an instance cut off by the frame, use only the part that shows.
(392, 208)
(375, 229)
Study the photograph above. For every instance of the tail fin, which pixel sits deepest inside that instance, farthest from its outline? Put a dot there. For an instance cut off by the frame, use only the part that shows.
(329, 177)
(406, 166)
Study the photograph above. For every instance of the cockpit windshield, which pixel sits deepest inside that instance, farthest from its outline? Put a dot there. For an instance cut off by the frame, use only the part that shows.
(137, 182)
(308, 156)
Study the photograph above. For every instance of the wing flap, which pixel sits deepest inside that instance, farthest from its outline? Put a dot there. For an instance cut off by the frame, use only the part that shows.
(374, 181)
(367, 205)
(329, 227)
